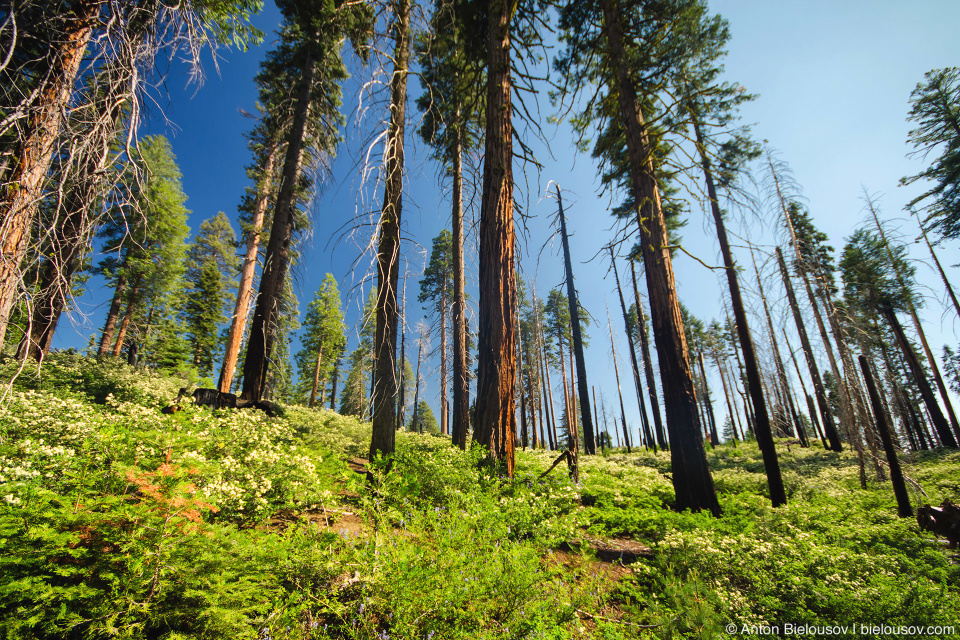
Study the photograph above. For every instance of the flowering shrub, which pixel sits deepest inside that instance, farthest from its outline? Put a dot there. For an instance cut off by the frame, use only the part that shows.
(117, 520)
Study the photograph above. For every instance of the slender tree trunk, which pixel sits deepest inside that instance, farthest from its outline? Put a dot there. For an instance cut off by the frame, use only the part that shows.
(333, 385)
(825, 412)
(939, 421)
(132, 300)
(616, 372)
(936, 261)
(551, 413)
(762, 429)
(778, 360)
(316, 374)
(33, 151)
(600, 435)
(582, 388)
(383, 440)
(277, 259)
(461, 409)
(692, 481)
(444, 424)
(247, 273)
(896, 475)
(648, 362)
(633, 356)
(496, 421)
(416, 387)
(714, 437)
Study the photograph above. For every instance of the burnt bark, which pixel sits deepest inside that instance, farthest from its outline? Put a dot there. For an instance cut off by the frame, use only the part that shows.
(383, 440)
(277, 259)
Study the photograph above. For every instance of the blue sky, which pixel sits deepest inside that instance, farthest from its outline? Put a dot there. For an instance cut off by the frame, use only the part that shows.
(833, 81)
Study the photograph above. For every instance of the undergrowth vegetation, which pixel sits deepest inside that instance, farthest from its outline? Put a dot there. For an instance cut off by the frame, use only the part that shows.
(118, 521)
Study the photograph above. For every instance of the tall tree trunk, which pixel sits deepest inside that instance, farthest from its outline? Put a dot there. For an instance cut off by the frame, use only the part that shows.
(316, 374)
(692, 481)
(277, 258)
(247, 273)
(814, 420)
(633, 355)
(825, 413)
(33, 151)
(119, 292)
(904, 509)
(714, 437)
(461, 409)
(762, 429)
(582, 386)
(936, 415)
(444, 424)
(616, 372)
(648, 362)
(333, 385)
(383, 440)
(496, 421)
(132, 300)
(778, 360)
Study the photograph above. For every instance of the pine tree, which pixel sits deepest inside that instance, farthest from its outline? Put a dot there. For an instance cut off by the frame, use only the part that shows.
(624, 48)
(935, 108)
(436, 289)
(323, 341)
(211, 263)
(307, 68)
(452, 107)
(149, 243)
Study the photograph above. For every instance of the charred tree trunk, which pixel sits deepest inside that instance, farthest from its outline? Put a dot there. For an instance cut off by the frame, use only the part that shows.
(583, 389)
(383, 439)
(247, 273)
(616, 371)
(461, 409)
(277, 258)
(496, 422)
(762, 429)
(896, 475)
(692, 481)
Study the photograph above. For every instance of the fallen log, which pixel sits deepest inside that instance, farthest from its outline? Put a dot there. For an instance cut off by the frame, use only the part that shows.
(942, 521)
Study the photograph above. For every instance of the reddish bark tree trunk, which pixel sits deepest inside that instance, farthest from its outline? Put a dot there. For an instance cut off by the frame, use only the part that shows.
(33, 154)
(247, 273)
(496, 419)
(461, 410)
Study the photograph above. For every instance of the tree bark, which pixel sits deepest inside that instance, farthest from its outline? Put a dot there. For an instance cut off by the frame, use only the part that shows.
(496, 419)
(692, 481)
(936, 261)
(247, 273)
(461, 409)
(316, 374)
(132, 301)
(762, 428)
(33, 151)
(583, 389)
(383, 440)
(277, 259)
(896, 475)
(616, 372)
(648, 363)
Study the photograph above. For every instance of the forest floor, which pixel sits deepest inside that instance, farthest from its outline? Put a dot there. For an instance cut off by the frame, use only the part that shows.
(118, 521)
